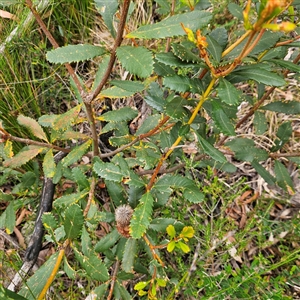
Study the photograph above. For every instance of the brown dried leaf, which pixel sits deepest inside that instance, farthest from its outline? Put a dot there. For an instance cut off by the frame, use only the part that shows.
(33, 126)
(7, 15)
(25, 155)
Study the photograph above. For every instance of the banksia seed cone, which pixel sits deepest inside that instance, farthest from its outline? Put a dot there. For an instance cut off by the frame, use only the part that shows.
(123, 215)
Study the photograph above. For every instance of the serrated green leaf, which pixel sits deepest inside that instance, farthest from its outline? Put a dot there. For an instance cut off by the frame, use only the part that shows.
(160, 224)
(228, 93)
(175, 108)
(162, 69)
(115, 93)
(28, 179)
(148, 155)
(236, 10)
(286, 64)
(141, 217)
(135, 180)
(155, 97)
(116, 192)
(86, 242)
(284, 133)
(49, 165)
(93, 265)
(108, 171)
(58, 173)
(238, 143)
(136, 60)
(245, 150)
(190, 190)
(118, 141)
(35, 284)
(80, 178)
(211, 150)
(294, 159)
(278, 52)
(221, 120)
(283, 177)
(25, 155)
(129, 255)
(67, 200)
(171, 26)
(170, 59)
(49, 221)
(260, 122)
(9, 218)
(120, 292)
(101, 290)
(128, 85)
(73, 221)
(193, 194)
(263, 172)
(107, 9)
(149, 123)
(185, 54)
(214, 48)
(267, 41)
(63, 121)
(74, 53)
(175, 181)
(285, 107)
(74, 87)
(102, 67)
(33, 126)
(71, 273)
(76, 153)
(177, 83)
(107, 241)
(220, 34)
(120, 115)
(261, 75)
(184, 130)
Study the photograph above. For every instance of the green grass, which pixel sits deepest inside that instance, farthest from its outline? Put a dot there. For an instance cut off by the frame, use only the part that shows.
(257, 261)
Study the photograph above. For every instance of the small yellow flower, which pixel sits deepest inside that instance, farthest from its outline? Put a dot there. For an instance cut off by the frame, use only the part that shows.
(190, 33)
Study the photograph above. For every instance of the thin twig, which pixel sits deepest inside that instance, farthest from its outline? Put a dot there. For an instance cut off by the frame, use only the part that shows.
(91, 197)
(113, 280)
(8, 136)
(118, 42)
(61, 255)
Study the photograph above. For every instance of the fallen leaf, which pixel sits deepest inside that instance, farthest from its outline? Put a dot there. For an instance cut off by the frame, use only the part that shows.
(7, 15)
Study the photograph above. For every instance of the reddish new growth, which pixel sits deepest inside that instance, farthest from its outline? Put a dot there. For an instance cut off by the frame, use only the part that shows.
(123, 215)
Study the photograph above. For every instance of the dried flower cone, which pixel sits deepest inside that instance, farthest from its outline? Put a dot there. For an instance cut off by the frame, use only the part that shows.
(123, 215)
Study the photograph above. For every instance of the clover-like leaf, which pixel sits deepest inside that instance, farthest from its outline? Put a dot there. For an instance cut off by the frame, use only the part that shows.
(171, 231)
